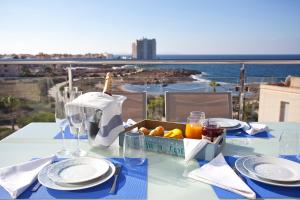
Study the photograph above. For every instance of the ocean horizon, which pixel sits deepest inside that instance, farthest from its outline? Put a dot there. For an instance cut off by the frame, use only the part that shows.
(225, 74)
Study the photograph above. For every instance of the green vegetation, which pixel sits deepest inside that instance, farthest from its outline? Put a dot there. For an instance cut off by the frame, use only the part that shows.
(26, 101)
(156, 107)
(41, 116)
(26, 72)
(11, 104)
(214, 85)
(5, 132)
(250, 111)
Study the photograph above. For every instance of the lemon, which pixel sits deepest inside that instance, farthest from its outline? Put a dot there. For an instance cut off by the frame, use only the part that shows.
(175, 133)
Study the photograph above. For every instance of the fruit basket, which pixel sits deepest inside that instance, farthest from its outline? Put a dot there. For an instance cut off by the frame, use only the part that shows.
(173, 146)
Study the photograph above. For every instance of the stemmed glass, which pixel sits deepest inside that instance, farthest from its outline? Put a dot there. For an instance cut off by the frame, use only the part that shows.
(61, 120)
(76, 118)
(289, 143)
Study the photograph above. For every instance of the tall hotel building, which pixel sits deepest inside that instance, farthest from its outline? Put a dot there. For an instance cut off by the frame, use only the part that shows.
(144, 49)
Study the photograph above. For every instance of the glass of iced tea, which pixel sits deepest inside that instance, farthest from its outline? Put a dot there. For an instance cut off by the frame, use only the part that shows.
(193, 128)
(211, 131)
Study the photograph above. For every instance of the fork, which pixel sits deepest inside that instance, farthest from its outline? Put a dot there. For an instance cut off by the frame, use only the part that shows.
(116, 176)
(36, 187)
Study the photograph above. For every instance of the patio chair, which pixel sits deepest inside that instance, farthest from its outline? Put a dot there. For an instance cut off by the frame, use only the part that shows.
(135, 106)
(178, 105)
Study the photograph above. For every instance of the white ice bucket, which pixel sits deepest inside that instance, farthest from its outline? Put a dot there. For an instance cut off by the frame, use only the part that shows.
(102, 116)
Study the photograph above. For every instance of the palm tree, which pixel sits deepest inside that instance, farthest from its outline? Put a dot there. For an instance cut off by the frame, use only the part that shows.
(11, 103)
(214, 84)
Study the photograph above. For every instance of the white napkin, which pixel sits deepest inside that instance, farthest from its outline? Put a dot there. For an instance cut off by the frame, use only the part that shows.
(255, 128)
(130, 122)
(192, 147)
(217, 172)
(16, 179)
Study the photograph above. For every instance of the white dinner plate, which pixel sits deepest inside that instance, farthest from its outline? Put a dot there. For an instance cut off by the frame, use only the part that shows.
(77, 170)
(240, 167)
(47, 182)
(226, 123)
(275, 169)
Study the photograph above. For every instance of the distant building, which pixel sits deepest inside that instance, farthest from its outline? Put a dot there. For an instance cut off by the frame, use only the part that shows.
(10, 70)
(280, 103)
(144, 49)
(134, 53)
(108, 55)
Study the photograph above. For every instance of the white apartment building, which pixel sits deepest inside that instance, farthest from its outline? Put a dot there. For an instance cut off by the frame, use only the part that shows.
(280, 103)
(144, 49)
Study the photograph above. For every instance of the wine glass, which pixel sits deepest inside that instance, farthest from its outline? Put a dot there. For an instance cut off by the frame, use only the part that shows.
(76, 118)
(133, 149)
(289, 143)
(61, 120)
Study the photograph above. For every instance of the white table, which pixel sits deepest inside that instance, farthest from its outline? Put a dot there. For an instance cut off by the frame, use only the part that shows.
(165, 180)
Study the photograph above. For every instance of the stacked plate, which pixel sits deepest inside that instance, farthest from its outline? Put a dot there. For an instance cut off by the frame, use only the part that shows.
(76, 174)
(270, 170)
(229, 124)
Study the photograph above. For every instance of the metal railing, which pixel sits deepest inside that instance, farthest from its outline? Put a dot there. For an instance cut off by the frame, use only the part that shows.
(149, 62)
(239, 82)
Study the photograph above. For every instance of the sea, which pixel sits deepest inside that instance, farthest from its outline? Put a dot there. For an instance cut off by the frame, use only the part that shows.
(227, 75)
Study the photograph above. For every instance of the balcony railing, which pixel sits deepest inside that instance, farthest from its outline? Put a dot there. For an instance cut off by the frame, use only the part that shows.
(36, 102)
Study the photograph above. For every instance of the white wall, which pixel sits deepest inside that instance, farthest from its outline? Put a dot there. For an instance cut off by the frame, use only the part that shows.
(270, 103)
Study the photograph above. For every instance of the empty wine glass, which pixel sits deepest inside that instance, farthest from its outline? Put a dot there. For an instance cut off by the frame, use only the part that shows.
(289, 143)
(76, 119)
(61, 120)
(133, 149)
(70, 95)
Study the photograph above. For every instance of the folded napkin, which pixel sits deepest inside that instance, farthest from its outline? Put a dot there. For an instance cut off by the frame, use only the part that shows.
(217, 172)
(255, 128)
(103, 116)
(192, 147)
(130, 122)
(16, 179)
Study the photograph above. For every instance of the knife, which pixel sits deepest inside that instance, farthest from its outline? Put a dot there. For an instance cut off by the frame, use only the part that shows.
(116, 176)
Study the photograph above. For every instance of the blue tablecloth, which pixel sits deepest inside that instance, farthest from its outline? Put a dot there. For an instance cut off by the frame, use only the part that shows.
(262, 190)
(69, 135)
(240, 133)
(132, 184)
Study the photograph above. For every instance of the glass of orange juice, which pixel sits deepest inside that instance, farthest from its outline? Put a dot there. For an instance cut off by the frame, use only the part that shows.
(194, 128)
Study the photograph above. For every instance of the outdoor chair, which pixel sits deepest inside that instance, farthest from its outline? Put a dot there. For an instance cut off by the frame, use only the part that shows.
(135, 106)
(178, 105)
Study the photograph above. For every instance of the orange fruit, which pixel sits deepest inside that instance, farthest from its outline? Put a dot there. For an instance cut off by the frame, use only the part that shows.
(160, 130)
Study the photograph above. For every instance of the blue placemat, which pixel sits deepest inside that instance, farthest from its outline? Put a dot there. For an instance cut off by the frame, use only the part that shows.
(240, 133)
(262, 190)
(69, 135)
(132, 184)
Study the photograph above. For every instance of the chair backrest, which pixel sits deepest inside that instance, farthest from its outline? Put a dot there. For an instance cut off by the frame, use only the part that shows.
(135, 106)
(178, 105)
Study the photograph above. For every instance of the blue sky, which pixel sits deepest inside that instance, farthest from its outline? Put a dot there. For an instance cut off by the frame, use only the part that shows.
(179, 26)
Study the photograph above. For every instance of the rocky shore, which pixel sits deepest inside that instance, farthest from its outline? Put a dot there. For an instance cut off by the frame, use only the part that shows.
(94, 77)
(159, 76)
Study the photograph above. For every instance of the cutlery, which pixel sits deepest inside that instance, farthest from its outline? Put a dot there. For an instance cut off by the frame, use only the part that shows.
(116, 176)
(249, 126)
(36, 187)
